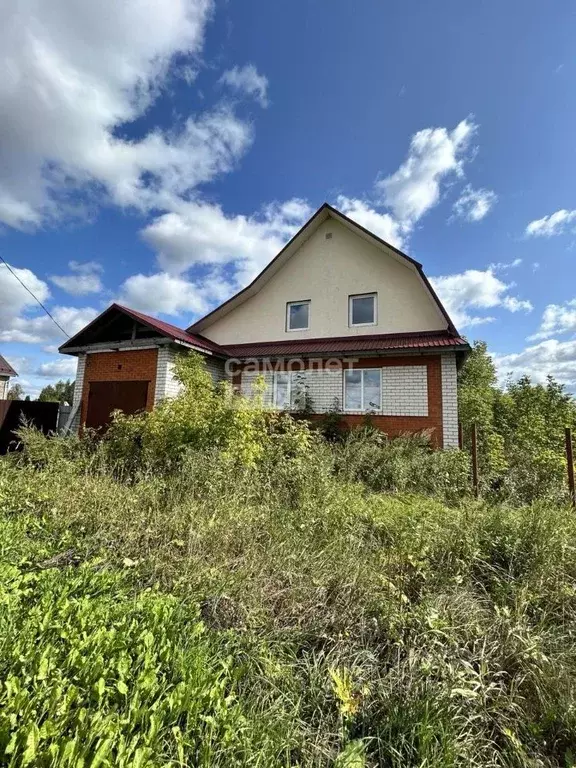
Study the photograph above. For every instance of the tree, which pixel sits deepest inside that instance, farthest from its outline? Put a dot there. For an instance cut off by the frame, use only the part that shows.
(61, 392)
(16, 392)
(478, 399)
(520, 427)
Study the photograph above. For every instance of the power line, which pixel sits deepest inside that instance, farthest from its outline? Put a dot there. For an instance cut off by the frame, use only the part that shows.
(56, 323)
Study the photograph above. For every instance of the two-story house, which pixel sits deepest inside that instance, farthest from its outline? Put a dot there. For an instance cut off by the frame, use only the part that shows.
(338, 313)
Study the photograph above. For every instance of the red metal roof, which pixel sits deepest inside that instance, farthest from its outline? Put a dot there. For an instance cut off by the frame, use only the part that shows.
(339, 345)
(344, 344)
(5, 368)
(167, 329)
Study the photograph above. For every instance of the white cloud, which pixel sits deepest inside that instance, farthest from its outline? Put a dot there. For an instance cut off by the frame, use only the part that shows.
(476, 289)
(85, 278)
(36, 373)
(70, 79)
(247, 80)
(474, 204)
(201, 233)
(552, 357)
(161, 292)
(557, 318)
(64, 368)
(503, 266)
(434, 155)
(554, 224)
(382, 224)
(39, 329)
(14, 298)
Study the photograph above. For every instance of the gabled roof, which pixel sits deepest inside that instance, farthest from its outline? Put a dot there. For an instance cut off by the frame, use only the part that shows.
(171, 331)
(325, 212)
(344, 345)
(159, 326)
(382, 342)
(5, 368)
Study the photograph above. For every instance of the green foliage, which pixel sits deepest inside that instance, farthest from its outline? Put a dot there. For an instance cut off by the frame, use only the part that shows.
(478, 396)
(16, 392)
(94, 676)
(205, 618)
(303, 401)
(215, 584)
(61, 392)
(405, 464)
(520, 431)
(330, 424)
(203, 416)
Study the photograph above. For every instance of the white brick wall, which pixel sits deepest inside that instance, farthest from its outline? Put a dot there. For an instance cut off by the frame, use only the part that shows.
(449, 401)
(166, 383)
(405, 390)
(323, 387)
(77, 397)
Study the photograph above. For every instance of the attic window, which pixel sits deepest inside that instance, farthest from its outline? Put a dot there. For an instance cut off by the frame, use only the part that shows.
(362, 309)
(298, 315)
(328, 235)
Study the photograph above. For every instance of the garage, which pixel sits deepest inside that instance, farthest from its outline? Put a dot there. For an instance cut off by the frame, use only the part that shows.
(105, 397)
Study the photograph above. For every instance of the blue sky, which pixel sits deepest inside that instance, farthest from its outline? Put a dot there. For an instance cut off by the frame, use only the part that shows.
(160, 152)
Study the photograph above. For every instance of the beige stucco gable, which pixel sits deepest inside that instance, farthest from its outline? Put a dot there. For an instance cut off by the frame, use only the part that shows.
(326, 271)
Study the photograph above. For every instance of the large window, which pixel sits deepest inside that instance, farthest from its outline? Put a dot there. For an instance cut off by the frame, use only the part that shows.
(363, 389)
(362, 309)
(289, 388)
(298, 315)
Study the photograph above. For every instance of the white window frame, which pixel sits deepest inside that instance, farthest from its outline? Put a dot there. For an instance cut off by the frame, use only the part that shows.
(291, 375)
(296, 304)
(351, 303)
(362, 408)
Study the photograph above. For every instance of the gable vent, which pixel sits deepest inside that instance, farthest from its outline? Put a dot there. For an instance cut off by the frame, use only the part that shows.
(328, 235)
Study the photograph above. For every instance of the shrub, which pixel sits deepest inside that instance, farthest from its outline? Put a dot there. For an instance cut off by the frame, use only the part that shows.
(403, 464)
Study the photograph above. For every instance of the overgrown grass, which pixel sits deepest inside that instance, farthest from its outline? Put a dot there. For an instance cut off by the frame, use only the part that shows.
(280, 614)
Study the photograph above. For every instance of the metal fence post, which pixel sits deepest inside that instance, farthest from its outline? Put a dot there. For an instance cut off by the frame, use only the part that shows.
(570, 466)
(475, 460)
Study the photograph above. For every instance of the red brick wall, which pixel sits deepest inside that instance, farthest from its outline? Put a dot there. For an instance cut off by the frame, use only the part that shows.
(397, 425)
(133, 365)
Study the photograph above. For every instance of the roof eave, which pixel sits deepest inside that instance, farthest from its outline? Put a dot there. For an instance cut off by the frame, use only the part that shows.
(346, 353)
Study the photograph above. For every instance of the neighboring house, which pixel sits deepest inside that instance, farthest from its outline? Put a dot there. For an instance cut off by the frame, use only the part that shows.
(338, 312)
(6, 373)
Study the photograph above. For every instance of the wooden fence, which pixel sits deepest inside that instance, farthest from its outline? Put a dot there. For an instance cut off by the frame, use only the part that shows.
(44, 416)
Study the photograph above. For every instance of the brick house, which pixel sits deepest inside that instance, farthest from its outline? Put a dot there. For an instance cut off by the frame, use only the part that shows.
(6, 373)
(338, 313)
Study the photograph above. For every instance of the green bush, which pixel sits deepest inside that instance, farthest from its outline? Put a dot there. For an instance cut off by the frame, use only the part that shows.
(403, 464)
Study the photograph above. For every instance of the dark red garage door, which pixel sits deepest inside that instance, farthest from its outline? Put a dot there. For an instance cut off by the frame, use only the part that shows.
(104, 397)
